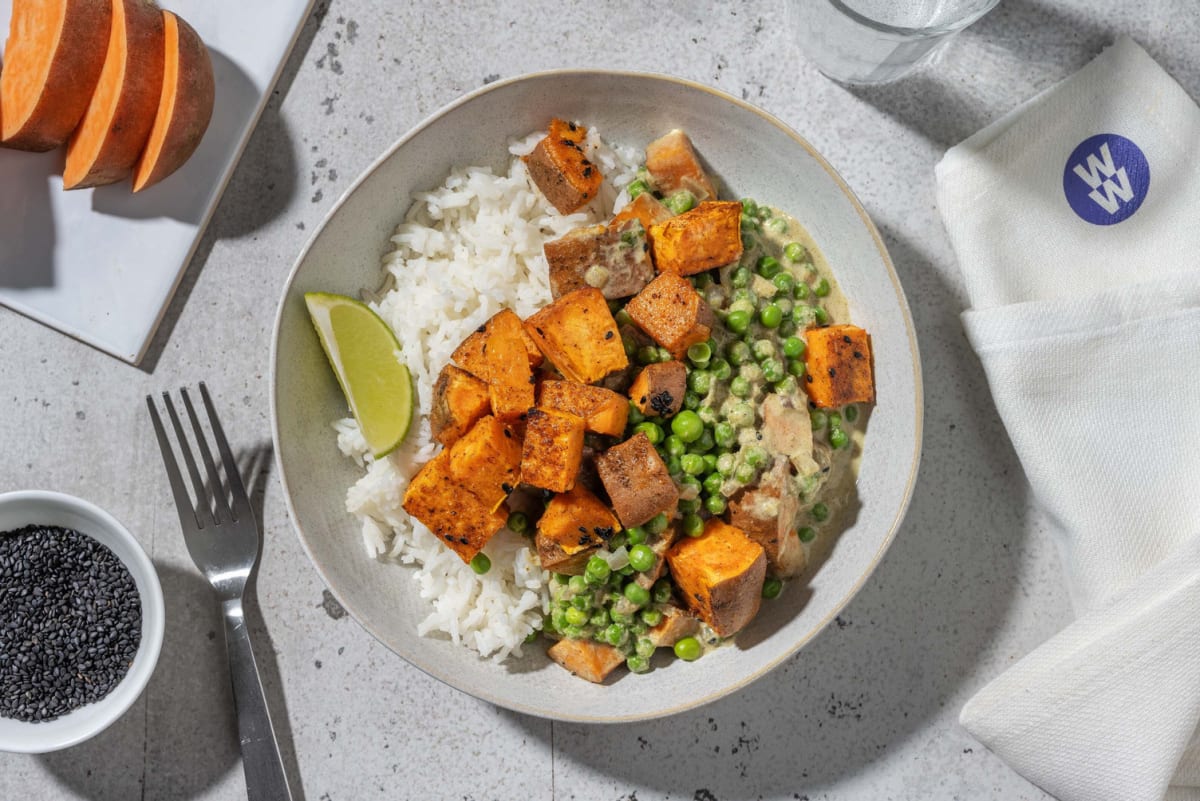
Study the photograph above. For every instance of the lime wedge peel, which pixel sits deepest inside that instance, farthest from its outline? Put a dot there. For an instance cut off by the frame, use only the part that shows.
(365, 357)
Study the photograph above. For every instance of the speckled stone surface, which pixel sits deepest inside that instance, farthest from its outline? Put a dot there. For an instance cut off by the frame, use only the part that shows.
(867, 711)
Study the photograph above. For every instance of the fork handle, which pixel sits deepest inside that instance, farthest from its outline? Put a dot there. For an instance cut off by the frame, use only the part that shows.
(265, 777)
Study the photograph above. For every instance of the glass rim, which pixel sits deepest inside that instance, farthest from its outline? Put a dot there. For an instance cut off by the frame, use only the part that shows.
(933, 30)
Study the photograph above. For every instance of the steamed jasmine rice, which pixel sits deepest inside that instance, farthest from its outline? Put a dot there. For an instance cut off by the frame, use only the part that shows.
(465, 250)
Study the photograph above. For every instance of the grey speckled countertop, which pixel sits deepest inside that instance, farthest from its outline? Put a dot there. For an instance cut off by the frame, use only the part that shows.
(867, 711)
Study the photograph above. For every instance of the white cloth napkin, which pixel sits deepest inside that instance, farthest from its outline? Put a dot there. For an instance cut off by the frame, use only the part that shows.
(1084, 287)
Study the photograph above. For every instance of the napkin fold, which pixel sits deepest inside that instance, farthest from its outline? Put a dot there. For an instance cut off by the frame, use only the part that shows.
(1076, 222)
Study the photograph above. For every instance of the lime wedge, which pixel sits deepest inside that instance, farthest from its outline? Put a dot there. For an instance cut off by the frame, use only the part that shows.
(365, 357)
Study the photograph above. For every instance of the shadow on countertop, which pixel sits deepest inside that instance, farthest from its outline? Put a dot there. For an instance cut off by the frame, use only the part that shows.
(902, 649)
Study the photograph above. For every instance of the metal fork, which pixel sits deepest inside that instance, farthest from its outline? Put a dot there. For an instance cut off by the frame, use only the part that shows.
(224, 543)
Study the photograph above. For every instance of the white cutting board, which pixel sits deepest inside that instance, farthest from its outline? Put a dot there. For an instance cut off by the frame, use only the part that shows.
(101, 264)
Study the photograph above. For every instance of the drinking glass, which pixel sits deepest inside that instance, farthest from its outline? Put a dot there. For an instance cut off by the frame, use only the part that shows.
(876, 41)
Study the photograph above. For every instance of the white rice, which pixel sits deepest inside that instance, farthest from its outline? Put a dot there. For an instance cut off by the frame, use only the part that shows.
(466, 250)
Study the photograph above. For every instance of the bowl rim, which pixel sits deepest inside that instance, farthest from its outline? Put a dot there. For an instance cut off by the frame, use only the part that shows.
(906, 314)
(106, 711)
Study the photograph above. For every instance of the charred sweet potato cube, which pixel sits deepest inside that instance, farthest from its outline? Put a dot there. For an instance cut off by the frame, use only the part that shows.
(645, 208)
(839, 365)
(613, 258)
(708, 236)
(470, 354)
(509, 378)
(574, 525)
(674, 626)
(458, 518)
(560, 167)
(589, 660)
(636, 480)
(720, 575)
(459, 399)
(672, 313)
(659, 388)
(767, 514)
(603, 411)
(486, 461)
(553, 449)
(672, 163)
(579, 336)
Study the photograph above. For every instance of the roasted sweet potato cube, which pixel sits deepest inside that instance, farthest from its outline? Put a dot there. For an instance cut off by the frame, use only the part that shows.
(659, 388)
(672, 313)
(459, 399)
(509, 379)
(486, 461)
(469, 355)
(613, 258)
(645, 208)
(579, 336)
(636, 480)
(674, 626)
(603, 411)
(553, 449)
(589, 660)
(708, 236)
(458, 518)
(574, 525)
(720, 575)
(560, 167)
(839, 365)
(767, 515)
(672, 163)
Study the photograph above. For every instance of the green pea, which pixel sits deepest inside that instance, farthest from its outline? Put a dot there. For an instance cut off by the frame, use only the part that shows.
(712, 483)
(807, 533)
(772, 371)
(763, 212)
(673, 466)
(679, 202)
(822, 288)
(617, 540)
(740, 387)
(626, 571)
(785, 307)
(635, 415)
(749, 223)
(708, 415)
(769, 267)
(577, 617)
(657, 524)
(700, 381)
(710, 462)
(532, 636)
(662, 591)
(664, 355)
(597, 570)
(738, 352)
(687, 425)
(796, 367)
(636, 188)
(850, 413)
(644, 647)
(778, 225)
(770, 315)
(835, 419)
(642, 558)
(793, 347)
(651, 617)
(623, 618)
(688, 649)
(794, 251)
(740, 414)
(691, 401)
(647, 354)
(756, 456)
(785, 283)
(740, 279)
(615, 634)
(787, 386)
(724, 433)
(700, 353)
(577, 584)
(744, 473)
(725, 464)
(636, 535)
(749, 206)
(838, 438)
(743, 296)
(561, 578)
(705, 444)
(720, 369)
(763, 349)
(637, 664)
(518, 522)
(651, 430)
(692, 464)
(822, 316)
(771, 588)
(736, 321)
(818, 418)
(481, 564)
(693, 525)
(715, 504)
(636, 594)
(801, 291)
(820, 512)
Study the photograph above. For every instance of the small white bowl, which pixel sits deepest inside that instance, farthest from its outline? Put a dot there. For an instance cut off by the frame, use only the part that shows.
(19, 509)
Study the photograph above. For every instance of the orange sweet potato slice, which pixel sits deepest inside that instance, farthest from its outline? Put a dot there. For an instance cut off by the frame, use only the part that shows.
(184, 108)
(118, 120)
(52, 62)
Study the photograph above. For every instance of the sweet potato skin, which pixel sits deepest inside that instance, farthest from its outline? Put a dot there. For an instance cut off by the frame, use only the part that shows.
(672, 313)
(574, 525)
(839, 367)
(720, 575)
(578, 334)
(185, 106)
(708, 236)
(659, 389)
(560, 168)
(613, 258)
(107, 143)
(586, 659)
(72, 71)
(459, 400)
(637, 481)
(603, 411)
(553, 450)
(673, 164)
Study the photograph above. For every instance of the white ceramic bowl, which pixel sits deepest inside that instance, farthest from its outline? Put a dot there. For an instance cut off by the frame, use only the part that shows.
(754, 155)
(18, 509)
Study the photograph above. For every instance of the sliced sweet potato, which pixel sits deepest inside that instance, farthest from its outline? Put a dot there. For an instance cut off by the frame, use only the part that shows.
(579, 336)
(459, 399)
(486, 461)
(553, 449)
(469, 355)
(586, 659)
(720, 575)
(673, 165)
(708, 236)
(636, 480)
(509, 378)
(659, 389)
(52, 61)
(118, 120)
(603, 411)
(672, 313)
(561, 169)
(574, 525)
(459, 519)
(674, 626)
(839, 369)
(184, 107)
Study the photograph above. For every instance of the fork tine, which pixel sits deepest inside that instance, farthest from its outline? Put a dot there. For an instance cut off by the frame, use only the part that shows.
(214, 478)
(182, 502)
(241, 503)
(202, 501)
